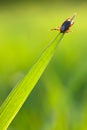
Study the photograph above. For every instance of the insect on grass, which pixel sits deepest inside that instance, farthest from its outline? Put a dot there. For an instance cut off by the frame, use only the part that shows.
(65, 27)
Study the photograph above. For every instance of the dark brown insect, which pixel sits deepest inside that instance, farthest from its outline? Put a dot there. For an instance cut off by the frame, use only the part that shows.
(65, 27)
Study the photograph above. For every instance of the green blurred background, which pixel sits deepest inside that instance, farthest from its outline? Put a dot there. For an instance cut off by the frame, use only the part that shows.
(59, 100)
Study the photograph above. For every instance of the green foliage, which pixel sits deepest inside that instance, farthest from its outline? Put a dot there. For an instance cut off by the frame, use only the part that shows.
(59, 100)
(17, 97)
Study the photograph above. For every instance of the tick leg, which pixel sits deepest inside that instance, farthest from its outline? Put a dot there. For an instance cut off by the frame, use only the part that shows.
(57, 28)
(71, 24)
(68, 31)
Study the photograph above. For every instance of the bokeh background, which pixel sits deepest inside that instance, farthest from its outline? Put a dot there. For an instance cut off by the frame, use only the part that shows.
(59, 100)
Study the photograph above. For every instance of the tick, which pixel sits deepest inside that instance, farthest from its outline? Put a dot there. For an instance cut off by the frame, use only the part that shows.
(65, 27)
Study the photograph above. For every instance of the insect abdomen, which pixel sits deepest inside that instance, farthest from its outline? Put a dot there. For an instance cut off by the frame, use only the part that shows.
(65, 26)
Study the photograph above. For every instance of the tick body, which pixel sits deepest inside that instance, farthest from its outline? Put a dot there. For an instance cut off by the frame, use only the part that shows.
(65, 27)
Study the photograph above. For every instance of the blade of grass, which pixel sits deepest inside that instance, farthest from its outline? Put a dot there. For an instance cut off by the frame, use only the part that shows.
(19, 94)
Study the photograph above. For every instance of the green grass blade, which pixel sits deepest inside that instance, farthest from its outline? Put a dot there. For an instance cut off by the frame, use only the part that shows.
(18, 95)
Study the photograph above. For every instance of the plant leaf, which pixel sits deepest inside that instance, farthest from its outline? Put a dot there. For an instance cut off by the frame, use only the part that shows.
(19, 94)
